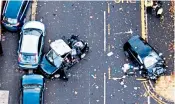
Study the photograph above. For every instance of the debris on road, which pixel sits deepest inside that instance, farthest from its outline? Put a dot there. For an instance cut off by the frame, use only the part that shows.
(110, 54)
(135, 88)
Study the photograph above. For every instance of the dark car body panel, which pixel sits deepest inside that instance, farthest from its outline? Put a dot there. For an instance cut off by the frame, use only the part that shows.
(140, 46)
(31, 97)
(15, 10)
(137, 50)
(33, 94)
(32, 79)
(47, 67)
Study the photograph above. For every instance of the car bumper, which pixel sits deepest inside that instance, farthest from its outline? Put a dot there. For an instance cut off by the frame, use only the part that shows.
(28, 66)
(10, 27)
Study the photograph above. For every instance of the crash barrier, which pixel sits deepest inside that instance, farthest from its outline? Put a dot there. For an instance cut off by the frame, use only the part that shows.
(150, 92)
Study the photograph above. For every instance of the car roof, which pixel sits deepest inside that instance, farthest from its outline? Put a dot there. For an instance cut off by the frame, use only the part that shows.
(31, 96)
(29, 44)
(13, 8)
(60, 47)
(139, 46)
(32, 79)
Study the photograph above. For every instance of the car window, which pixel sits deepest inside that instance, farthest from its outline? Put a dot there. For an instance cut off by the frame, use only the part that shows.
(39, 44)
(151, 59)
(36, 32)
(24, 8)
(54, 58)
(139, 59)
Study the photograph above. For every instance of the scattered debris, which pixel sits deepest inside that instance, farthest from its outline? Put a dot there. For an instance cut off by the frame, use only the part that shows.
(110, 54)
(120, 8)
(76, 92)
(135, 88)
(94, 76)
(122, 82)
(124, 86)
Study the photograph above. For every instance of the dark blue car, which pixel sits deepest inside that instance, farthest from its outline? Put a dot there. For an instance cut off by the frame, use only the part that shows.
(152, 64)
(14, 13)
(32, 89)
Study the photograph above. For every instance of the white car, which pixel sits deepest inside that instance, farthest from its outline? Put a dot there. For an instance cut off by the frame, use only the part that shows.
(31, 45)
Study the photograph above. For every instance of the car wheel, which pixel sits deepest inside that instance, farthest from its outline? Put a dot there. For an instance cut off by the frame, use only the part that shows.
(126, 53)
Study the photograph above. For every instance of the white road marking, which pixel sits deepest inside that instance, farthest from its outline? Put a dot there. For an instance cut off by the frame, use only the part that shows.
(116, 78)
(148, 97)
(104, 88)
(4, 96)
(126, 32)
(105, 31)
(89, 91)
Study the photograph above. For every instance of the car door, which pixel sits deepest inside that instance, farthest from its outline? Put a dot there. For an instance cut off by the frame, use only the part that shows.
(134, 56)
(41, 96)
(24, 10)
(20, 41)
(40, 46)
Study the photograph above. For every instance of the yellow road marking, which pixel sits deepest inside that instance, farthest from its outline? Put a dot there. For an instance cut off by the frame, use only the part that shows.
(34, 7)
(109, 29)
(108, 8)
(141, 79)
(143, 20)
(109, 73)
(109, 47)
(151, 94)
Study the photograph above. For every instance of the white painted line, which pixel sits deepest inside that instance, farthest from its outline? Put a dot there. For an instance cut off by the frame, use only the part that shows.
(104, 88)
(4, 96)
(126, 32)
(89, 90)
(105, 31)
(148, 95)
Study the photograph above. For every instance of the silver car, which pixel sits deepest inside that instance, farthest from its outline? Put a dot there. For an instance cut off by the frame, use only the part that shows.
(31, 45)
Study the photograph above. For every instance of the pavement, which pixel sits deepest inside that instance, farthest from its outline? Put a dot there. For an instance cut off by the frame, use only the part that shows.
(97, 79)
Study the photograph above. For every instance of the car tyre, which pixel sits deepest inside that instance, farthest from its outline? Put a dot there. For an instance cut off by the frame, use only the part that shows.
(126, 54)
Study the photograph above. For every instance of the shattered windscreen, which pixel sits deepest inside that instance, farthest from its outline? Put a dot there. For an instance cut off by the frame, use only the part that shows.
(54, 58)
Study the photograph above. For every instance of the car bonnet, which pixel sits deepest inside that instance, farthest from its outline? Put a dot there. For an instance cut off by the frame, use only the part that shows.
(31, 96)
(47, 67)
(139, 47)
(13, 8)
(33, 79)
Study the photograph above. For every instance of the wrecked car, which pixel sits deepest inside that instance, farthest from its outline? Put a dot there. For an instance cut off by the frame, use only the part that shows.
(151, 62)
(64, 54)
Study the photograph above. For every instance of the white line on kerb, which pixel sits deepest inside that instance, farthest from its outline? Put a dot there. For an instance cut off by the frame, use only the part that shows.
(104, 88)
(105, 31)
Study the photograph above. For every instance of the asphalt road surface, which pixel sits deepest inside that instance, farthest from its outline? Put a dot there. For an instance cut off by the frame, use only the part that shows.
(95, 80)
